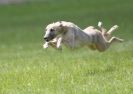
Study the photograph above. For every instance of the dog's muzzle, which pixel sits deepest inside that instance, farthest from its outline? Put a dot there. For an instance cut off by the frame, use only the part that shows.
(49, 38)
(46, 39)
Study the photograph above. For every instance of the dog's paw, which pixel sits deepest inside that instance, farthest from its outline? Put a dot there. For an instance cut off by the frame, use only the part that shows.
(45, 45)
(115, 26)
(121, 40)
(100, 24)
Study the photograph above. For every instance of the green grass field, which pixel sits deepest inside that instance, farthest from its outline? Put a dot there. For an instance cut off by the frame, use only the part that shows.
(26, 68)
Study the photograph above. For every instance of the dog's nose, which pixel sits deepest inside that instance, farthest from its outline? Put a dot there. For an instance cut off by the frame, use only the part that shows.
(45, 38)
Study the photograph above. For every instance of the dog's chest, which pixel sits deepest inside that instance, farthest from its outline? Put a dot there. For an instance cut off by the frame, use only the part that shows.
(72, 42)
(72, 45)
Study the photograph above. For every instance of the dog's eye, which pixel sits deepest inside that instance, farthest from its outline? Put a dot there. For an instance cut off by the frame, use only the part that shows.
(52, 30)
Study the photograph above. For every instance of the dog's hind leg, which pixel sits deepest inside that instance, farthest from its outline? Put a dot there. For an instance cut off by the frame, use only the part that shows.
(101, 43)
(102, 46)
(112, 29)
(102, 29)
(105, 33)
(115, 39)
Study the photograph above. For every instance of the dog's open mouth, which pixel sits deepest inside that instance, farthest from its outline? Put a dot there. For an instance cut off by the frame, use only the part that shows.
(47, 39)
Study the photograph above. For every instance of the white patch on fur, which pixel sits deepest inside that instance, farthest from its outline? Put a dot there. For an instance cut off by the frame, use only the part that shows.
(45, 45)
(100, 24)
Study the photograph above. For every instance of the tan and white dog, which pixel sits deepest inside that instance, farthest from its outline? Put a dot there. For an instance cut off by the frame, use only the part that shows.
(73, 37)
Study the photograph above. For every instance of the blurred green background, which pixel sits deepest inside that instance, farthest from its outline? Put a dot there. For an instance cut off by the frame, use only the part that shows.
(31, 17)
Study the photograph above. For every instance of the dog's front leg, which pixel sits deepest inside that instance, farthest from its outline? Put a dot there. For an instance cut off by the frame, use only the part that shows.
(45, 45)
(59, 41)
(51, 43)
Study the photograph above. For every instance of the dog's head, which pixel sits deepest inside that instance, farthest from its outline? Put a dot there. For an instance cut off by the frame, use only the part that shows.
(53, 30)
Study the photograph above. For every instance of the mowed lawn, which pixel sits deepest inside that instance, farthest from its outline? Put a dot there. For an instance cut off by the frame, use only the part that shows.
(26, 68)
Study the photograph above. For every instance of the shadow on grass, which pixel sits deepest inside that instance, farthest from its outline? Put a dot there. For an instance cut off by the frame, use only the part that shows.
(100, 71)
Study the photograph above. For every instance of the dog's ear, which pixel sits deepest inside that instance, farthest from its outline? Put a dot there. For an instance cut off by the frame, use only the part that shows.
(63, 28)
(61, 24)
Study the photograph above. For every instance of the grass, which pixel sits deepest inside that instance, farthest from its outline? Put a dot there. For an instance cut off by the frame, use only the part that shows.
(26, 68)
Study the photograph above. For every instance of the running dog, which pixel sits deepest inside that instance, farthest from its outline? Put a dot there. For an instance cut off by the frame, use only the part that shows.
(73, 37)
